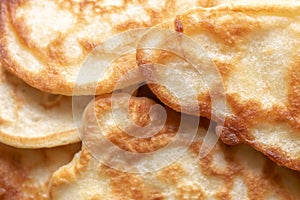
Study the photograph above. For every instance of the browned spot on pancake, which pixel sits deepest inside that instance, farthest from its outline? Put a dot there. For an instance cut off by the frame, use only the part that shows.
(125, 184)
(187, 192)
(232, 169)
(129, 25)
(178, 24)
(227, 32)
(224, 68)
(204, 105)
(206, 3)
(130, 186)
(228, 135)
(85, 158)
(146, 145)
(232, 130)
(223, 196)
(257, 186)
(294, 91)
(230, 157)
(248, 111)
(206, 164)
(172, 174)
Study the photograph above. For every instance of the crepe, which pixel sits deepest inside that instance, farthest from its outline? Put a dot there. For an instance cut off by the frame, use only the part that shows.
(30, 118)
(45, 43)
(25, 174)
(246, 64)
(237, 172)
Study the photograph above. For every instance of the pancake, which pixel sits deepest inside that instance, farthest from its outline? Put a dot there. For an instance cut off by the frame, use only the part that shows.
(237, 172)
(25, 174)
(248, 55)
(45, 43)
(30, 118)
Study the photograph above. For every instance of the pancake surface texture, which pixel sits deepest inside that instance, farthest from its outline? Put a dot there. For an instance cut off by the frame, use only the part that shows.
(30, 118)
(46, 42)
(25, 174)
(226, 173)
(256, 50)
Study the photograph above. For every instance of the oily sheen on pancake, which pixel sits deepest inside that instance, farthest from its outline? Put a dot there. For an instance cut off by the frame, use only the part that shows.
(46, 42)
(237, 172)
(25, 174)
(256, 52)
(30, 118)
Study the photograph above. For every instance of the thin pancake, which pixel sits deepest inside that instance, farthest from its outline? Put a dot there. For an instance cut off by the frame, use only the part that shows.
(46, 42)
(226, 173)
(25, 174)
(32, 119)
(256, 50)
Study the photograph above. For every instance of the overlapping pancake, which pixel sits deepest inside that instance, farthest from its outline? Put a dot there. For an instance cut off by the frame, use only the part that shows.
(30, 118)
(46, 42)
(256, 53)
(237, 172)
(25, 174)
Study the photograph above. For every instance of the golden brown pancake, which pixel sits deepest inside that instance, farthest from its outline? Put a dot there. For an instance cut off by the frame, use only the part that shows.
(256, 52)
(25, 174)
(46, 42)
(30, 118)
(237, 172)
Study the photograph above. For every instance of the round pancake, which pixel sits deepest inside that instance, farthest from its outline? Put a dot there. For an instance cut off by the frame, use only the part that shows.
(30, 118)
(46, 42)
(256, 51)
(25, 174)
(226, 173)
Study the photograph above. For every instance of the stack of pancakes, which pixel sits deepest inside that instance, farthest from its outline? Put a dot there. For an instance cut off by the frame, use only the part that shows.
(173, 99)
